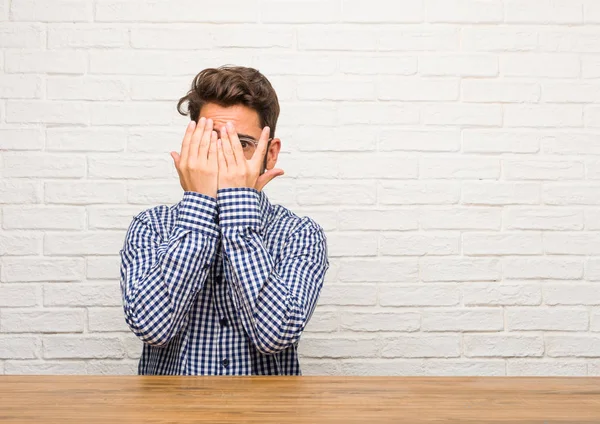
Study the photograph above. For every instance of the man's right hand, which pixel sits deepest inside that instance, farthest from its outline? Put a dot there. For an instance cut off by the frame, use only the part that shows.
(197, 164)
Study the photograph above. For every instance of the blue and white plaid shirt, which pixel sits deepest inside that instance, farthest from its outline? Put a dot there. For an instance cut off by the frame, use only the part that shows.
(221, 286)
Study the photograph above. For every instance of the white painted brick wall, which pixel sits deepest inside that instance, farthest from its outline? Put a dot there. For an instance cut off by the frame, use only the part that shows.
(450, 149)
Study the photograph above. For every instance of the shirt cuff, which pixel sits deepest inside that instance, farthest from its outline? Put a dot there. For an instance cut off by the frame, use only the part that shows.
(198, 212)
(239, 206)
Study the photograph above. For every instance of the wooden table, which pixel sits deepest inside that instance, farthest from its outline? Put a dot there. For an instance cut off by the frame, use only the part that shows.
(185, 399)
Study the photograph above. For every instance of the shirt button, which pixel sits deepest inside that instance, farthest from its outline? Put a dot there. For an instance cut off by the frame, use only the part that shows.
(225, 362)
(223, 322)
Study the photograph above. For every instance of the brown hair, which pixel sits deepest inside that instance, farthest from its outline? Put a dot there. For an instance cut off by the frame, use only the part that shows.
(232, 85)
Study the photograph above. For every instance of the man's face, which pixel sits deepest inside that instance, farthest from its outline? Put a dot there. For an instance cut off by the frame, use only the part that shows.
(247, 125)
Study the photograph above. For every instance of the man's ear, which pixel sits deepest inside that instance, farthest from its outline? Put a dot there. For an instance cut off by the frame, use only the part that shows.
(273, 149)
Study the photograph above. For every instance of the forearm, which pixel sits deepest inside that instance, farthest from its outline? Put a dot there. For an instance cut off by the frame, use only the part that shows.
(160, 276)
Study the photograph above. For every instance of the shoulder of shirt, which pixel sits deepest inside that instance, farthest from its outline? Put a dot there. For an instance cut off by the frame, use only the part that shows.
(159, 218)
(299, 224)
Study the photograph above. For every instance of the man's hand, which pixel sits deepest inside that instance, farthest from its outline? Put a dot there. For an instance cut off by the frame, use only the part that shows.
(237, 171)
(197, 165)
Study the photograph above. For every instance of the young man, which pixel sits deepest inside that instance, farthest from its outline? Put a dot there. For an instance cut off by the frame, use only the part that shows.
(223, 282)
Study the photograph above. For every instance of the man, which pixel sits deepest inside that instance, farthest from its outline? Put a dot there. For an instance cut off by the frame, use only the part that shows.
(223, 282)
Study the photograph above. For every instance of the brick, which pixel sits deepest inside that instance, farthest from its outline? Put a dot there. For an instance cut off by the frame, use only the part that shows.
(42, 269)
(500, 91)
(320, 367)
(86, 243)
(490, 319)
(371, 270)
(495, 294)
(542, 170)
(44, 217)
(571, 41)
(84, 36)
(592, 169)
(498, 345)
(354, 294)
(546, 319)
(47, 112)
(56, 347)
(44, 367)
(540, 65)
(162, 11)
(17, 191)
(45, 61)
(343, 139)
(572, 346)
(252, 36)
(129, 166)
(380, 321)
(83, 193)
(571, 143)
(476, 65)
(339, 347)
(419, 244)
(471, 11)
(571, 294)
(14, 243)
(18, 295)
(42, 321)
(417, 89)
(460, 269)
(397, 219)
(323, 322)
(334, 193)
(317, 37)
(595, 321)
(18, 35)
(86, 88)
(421, 346)
(107, 319)
(591, 12)
(543, 116)
(335, 89)
(542, 267)
(188, 37)
(502, 244)
(592, 219)
(403, 11)
(418, 193)
(103, 267)
(572, 243)
(418, 295)
(111, 367)
(111, 217)
(592, 269)
(418, 39)
(352, 244)
(319, 114)
(459, 168)
(20, 86)
(500, 141)
(543, 218)
(501, 39)
(570, 194)
(86, 139)
(422, 367)
(21, 138)
(51, 11)
(377, 113)
(295, 11)
(376, 64)
(82, 294)
(295, 64)
(456, 218)
(131, 113)
(44, 165)
(401, 139)
(543, 11)
(19, 347)
(155, 193)
(592, 117)
(500, 193)
(545, 368)
(462, 114)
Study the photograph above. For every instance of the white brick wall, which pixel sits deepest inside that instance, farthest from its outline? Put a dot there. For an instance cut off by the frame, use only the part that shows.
(450, 149)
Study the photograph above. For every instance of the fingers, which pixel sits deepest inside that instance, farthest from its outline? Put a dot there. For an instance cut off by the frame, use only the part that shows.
(186, 139)
(205, 141)
(267, 177)
(227, 147)
(235, 141)
(221, 157)
(212, 149)
(261, 149)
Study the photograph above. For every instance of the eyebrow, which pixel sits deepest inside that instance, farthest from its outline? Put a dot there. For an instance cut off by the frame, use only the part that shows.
(246, 136)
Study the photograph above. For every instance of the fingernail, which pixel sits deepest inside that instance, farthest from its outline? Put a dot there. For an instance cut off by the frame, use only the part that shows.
(191, 124)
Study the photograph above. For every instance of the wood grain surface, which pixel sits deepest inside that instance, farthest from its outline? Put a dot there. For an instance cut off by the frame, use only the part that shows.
(192, 399)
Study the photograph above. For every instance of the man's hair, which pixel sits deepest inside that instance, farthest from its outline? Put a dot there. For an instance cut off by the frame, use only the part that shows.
(232, 85)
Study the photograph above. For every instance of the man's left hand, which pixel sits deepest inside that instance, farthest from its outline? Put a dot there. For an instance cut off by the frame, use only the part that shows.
(237, 171)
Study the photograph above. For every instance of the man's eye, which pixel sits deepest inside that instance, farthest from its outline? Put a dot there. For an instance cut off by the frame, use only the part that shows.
(244, 143)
